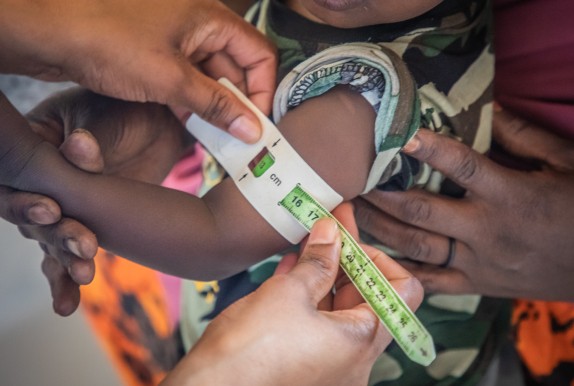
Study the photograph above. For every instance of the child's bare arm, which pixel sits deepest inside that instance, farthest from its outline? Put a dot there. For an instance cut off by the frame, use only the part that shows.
(334, 134)
(199, 238)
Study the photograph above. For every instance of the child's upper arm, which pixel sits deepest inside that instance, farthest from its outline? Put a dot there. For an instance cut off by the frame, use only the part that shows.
(350, 135)
(334, 135)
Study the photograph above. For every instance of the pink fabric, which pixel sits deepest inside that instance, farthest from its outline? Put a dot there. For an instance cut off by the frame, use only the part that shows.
(185, 176)
(534, 43)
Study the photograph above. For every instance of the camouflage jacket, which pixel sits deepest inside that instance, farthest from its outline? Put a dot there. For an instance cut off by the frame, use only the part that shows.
(446, 57)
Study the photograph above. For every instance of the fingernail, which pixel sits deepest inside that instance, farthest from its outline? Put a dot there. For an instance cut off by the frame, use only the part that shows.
(412, 145)
(73, 246)
(245, 129)
(40, 214)
(324, 231)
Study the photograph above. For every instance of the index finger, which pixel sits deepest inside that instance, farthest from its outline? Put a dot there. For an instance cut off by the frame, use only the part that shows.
(528, 140)
(251, 50)
(457, 161)
(252, 53)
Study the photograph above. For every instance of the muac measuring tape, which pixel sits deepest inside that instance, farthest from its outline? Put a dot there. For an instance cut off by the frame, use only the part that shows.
(282, 187)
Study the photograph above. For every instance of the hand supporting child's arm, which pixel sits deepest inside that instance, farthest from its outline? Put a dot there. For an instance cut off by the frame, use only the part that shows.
(181, 234)
(136, 140)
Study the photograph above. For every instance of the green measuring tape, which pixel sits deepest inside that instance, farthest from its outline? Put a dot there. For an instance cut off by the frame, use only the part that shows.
(404, 326)
(264, 173)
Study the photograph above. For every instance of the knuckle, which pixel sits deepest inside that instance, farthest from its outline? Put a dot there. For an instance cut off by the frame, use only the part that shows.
(218, 107)
(14, 206)
(417, 246)
(364, 330)
(44, 247)
(14, 214)
(284, 284)
(468, 168)
(46, 266)
(317, 259)
(415, 210)
(25, 232)
(515, 126)
(428, 153)
(562, 158)
(51, 267)
(66, 228)
(363, 215)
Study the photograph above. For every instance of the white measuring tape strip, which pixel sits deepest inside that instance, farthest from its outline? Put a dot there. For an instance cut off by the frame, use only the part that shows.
(261, 170)
(291, 197)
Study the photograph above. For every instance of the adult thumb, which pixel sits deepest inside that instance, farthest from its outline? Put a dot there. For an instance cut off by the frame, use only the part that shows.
(217, 105)
(81, 148)
(317, 267)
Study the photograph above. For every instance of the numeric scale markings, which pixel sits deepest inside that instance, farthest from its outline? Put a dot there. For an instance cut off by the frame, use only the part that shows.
(404, 326)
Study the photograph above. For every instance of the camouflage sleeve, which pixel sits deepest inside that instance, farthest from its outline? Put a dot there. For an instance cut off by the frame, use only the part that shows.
(380, 76)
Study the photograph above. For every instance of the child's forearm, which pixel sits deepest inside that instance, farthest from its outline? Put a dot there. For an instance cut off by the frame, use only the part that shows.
(155, 226)
(165, 229)
(161, 228)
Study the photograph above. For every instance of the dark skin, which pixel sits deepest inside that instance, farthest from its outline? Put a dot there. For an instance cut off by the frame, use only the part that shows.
(344, 329)
(110, 49)
(150, 137)
(430, 247)
(107, 47)
(138, 140)
(513, 229)
(210, 228)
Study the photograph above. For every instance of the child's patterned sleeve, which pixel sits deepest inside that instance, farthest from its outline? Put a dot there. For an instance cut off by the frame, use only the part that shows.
(383, 80)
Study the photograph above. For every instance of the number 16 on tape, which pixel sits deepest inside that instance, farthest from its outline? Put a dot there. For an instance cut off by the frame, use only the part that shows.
(404, 326)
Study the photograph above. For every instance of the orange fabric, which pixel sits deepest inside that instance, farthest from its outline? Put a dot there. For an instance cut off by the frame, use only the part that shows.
(125, 304)
(544, 333)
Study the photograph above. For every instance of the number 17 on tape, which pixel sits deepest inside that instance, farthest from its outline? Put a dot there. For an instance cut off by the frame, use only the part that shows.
(409, 333)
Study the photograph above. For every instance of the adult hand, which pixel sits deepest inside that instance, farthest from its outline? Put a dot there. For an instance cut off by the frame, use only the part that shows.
(138, 141)
(165, 52)
(278, 336)
(512, 232)
(68, 246)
